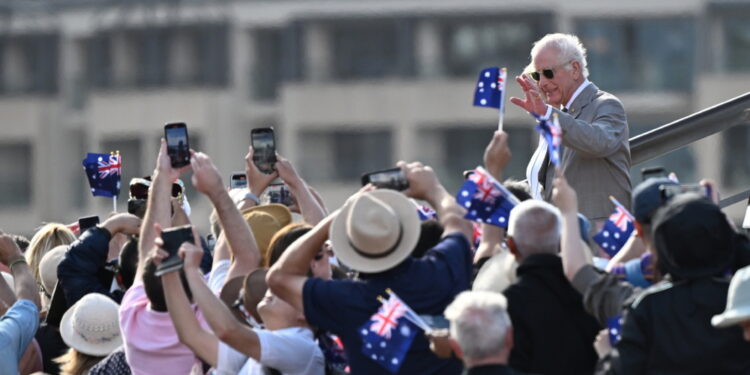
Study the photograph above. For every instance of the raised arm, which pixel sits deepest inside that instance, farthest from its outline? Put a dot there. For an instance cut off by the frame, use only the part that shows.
(157, 209)
(225, 326)
(203, 343)
(206, 179)
(311, 211)
(424, 185)
(23, 281)
(496, 158)
(571, 247)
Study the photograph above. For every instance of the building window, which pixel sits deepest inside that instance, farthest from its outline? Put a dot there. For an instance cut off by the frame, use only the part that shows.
(99, 61)
(736, 42)
(366, 49)
(15, 162)
(735, 169)
(212, 55)
(344, 155)
(472, 44)
(30, 64)
(153, 56)
(640, 54)
(267, 72)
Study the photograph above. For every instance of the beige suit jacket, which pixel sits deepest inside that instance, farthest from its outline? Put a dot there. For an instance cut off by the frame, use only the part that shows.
(595, 153)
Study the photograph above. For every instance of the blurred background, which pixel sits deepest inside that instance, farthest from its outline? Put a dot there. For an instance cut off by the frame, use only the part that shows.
(349, 85)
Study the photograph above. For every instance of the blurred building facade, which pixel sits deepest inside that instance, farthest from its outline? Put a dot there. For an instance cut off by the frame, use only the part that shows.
(350, 86)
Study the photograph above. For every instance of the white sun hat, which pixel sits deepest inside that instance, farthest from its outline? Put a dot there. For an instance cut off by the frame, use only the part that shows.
(738, 301)
(92, 325)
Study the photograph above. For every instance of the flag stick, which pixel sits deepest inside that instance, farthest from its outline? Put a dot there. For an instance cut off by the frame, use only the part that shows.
(114, 203)
(501, 111)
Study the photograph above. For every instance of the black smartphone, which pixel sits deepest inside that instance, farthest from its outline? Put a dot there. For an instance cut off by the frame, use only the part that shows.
(650, 172)
(178, 146)
(174, 238)
(264, 149)
(436, 321)
(238, 180)
(87, 222)
(57, 306)
(393, 179)
(279, 193)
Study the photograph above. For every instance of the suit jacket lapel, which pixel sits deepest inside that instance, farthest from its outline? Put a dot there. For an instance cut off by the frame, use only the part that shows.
(584, 98)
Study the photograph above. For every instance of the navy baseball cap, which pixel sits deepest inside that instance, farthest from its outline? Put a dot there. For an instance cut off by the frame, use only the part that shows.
(647, 198)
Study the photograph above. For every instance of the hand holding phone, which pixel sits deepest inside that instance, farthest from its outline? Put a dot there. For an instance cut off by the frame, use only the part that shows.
(178, 146)
(264, 149)
(393, 179)
(279, 193)
(174, 238)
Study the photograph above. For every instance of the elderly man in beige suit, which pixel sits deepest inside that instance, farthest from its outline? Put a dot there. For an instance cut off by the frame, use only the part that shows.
(595, 153)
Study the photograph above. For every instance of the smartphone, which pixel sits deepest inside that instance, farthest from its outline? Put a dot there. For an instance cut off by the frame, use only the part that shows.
(436, 321)
(238, 180)
(393, 179)
(178, 146)
(174, 238)
(279, 193)
(87, 222)
(264, 149)
(650, 172)
(669, 191)
(57, 307)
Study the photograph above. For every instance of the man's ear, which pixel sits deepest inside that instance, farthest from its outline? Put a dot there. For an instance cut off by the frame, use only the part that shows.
(512, 247)
(508, 344)
(577, 69)
(456, 348)
(638, 228)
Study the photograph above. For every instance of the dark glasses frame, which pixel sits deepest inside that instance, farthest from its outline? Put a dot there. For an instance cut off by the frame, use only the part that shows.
(138, 188)
(548, 73)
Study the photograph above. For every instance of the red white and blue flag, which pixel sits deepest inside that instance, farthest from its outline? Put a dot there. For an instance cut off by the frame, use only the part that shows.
(103, 172)
(616, 231)
(490, 88)
(485, 199)
(389, 333)
(552, 133)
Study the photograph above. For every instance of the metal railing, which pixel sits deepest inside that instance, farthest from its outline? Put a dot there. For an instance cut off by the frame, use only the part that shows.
(687, 130)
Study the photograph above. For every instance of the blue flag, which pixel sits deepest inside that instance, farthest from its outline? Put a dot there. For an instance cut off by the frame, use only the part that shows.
(103, 172)
(616, 231)
(490, 88)
(387, 336)
(552, 133)
(485, 199)
(614, 329)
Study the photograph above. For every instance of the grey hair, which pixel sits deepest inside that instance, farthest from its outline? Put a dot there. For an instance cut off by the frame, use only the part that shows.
(535, 227)
(479, 323)
(569, 46)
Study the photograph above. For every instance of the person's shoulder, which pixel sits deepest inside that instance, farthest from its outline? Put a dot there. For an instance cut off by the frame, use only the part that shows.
(655, 291)
(453, 241)
(604, 97)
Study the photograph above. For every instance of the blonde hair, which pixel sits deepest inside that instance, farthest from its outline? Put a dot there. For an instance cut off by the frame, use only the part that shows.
(45, 239)
(74, 362)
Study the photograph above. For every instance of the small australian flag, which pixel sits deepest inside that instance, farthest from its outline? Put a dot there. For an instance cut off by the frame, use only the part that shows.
(552, 132)
(103, 172)
(614, 328)
(387, 336)
(485, 199)
(616, 231)
(490, 88)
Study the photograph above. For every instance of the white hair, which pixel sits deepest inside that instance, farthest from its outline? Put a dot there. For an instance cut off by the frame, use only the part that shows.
(479, 323)
(535, 227)
(569, 46)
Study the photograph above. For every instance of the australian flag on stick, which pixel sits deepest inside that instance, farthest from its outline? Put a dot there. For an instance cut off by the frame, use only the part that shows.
(552, 133)
(485, 199)
(103, 172)
(387, 336)
(490, 88)
(617, 229)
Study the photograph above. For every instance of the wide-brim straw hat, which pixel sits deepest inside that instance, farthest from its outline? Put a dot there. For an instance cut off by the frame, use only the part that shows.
(92, 325)
(738, 301)
(375, 231)
(265, 221)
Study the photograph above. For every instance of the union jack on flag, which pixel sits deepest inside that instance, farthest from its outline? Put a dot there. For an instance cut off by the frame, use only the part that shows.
(388, 334)
(552, 133)
(616, 231)
(425, 212)
(485, 199)
(103, 172)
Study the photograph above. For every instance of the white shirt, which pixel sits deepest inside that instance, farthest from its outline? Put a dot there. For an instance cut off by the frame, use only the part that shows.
(218, 276)
(532, 169)
(293, 351)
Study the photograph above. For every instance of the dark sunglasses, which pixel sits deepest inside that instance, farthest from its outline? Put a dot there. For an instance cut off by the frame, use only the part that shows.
(139, 188)
(548, 73)
(323, 253)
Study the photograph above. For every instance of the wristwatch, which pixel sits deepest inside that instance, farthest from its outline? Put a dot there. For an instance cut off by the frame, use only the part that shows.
(253, 198)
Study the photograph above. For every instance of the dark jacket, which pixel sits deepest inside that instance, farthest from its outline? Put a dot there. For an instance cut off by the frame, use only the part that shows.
(82, 270)
(667, 330)
(491, 370)
(552, 333)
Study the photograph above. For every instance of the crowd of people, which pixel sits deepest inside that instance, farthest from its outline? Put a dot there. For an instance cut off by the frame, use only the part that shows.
(277, 289)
